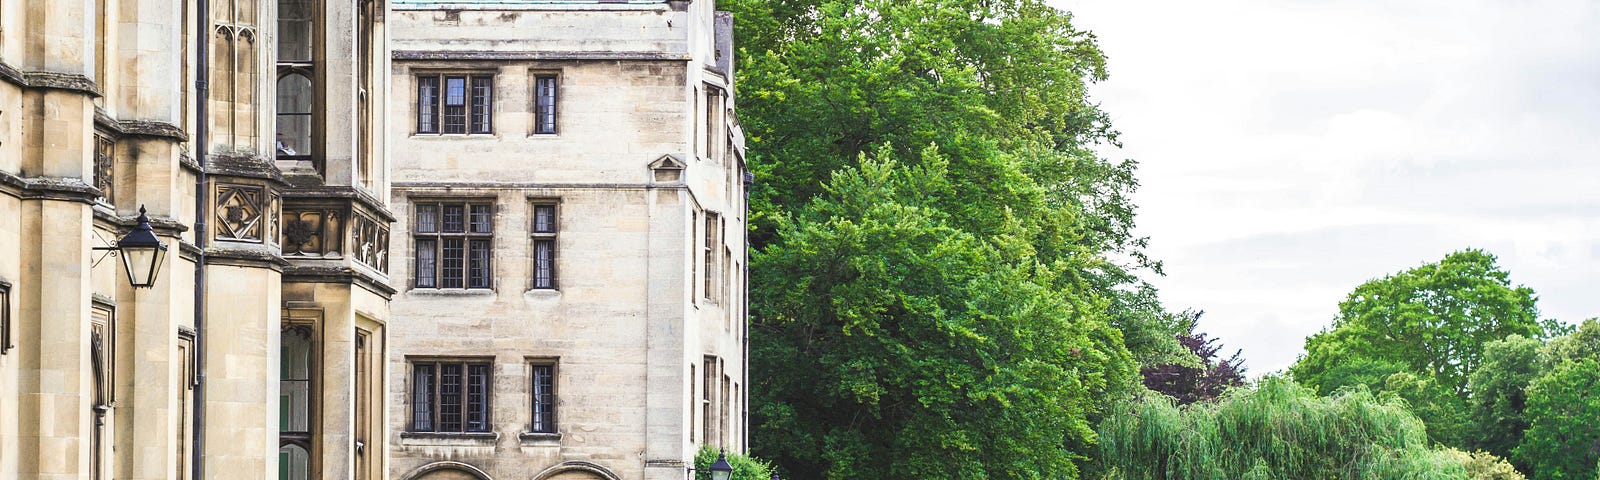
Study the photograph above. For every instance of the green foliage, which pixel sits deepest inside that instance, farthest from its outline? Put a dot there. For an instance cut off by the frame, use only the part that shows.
(1434, 319)
(1485, 466)
(1442, 412)
(744, 467)
(1276, 430)
(896, 345)
(1499, 393)
(1563, 437)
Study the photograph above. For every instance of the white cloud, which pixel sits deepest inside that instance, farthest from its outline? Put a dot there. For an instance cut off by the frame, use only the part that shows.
(1290, 150)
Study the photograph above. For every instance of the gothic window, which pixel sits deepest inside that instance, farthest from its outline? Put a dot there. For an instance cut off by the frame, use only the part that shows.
(294, 462)
(296, 75)
(232, 78)
(102, 354)
(454, 245)
(450, 396)
(455, 104)
(544, 246)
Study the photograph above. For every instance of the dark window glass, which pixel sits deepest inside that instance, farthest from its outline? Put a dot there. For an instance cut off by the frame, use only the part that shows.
(453, 256)
(482, 92)
(544, 218)
(478, 271)
(455, 105)
(544, 107)
(544, 399)
(294, 116)
(422, 393)
(427, 104)
(544, 253)
(427, 263)
(450, 397)
(482, 216)
(455, 247)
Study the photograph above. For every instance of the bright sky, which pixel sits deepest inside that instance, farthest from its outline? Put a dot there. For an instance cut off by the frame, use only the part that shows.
(1292, 149)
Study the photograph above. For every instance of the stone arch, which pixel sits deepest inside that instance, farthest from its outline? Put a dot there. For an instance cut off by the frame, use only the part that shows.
(447, 470)
(576, 467)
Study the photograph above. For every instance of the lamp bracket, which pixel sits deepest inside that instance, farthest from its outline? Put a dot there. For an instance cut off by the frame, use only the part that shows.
(110, 249)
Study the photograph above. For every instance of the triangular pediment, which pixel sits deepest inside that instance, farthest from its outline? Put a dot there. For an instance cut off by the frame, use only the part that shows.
(668, 162)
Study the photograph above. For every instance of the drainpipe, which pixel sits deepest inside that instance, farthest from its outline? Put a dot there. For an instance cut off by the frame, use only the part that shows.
(202, 211)
(749, 181)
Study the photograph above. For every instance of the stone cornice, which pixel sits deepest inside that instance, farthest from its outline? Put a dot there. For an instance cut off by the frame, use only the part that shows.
(304, 272)
(359, 196)
(166, 226)
(244, 256)
(49, 188)
(153, 128)
(11, 75)
(481, 55)
(61, 81)
(247, 166)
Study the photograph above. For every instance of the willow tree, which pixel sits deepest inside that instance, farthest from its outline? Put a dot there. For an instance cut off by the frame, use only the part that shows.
(1275, 430)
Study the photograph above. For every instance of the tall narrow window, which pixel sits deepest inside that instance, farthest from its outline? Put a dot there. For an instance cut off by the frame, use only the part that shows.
(294, 401)
(450, 396)
(428, 104)
(296, 90)
(544, 106)
(454, 245)
(713, 233)
(713, 114)
(5, 318)
(543, 383)
(363, 404)
(455, 104)
(544, 246)
(707, 394)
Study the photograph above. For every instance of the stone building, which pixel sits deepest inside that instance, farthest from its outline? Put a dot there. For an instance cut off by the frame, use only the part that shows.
(251, 132)
(568, 187)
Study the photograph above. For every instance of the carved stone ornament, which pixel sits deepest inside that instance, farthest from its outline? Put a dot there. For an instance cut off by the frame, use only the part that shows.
(312, 233)
(104, 163)
(239, 212)
(371, 243)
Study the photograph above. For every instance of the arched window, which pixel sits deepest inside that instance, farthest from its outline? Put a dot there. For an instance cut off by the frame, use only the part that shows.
(294, 116)
(294, 462)
(294, 386)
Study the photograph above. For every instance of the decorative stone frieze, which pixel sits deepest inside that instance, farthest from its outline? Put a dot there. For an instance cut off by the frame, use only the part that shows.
(239, 212)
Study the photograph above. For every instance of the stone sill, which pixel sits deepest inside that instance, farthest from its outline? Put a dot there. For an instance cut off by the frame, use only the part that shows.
(534, 439)
(437, 439)
(451, 292)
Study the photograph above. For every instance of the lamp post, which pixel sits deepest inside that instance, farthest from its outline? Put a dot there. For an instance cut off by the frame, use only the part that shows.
(141, 251)
(720, 469)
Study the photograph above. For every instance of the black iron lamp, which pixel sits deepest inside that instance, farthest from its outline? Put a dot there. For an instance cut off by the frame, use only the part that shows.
(142, 253)
(720, 469)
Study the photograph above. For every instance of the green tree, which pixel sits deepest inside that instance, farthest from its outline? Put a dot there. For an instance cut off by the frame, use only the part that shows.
(1442, 412)
(1275, 430)
(1485, 466)
(1435, 320)
(1563, 437)
(744, 467)
(1499, 393)
(895, 345)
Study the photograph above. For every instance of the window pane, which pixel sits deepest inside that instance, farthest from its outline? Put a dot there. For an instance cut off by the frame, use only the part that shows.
(294, 463)
(453, 270)
(478, 398)
(544, 218)
(450, 397)
(427, 218)
(294, 30)
(544, 256)
(482, 103)
(454, 218)
(294, 115)
(482, 218)
(455, 105)
(544, 420)
(427, 104)
(294, 385)
(479, 272)
(422, 398)
(427, 263)
(545, 105)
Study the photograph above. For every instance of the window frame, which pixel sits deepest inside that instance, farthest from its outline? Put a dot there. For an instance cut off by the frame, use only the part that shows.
(710, 250)
(436, 397)
(541, 109)
(5, 317)
(552, 236)
(551, 409)
(471, 108)
(468, 237)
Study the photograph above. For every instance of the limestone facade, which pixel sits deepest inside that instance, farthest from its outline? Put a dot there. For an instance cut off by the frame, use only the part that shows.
(259, 349)
(568, 249)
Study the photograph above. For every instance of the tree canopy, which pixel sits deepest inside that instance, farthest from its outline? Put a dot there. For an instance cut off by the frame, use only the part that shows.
(1193, 383)
(1435, 320)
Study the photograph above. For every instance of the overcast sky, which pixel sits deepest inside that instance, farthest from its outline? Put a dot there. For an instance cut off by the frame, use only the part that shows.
(1291, 150)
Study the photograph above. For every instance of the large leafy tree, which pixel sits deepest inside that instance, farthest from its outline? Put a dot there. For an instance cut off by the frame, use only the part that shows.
(1213, 375)
(1563, 409)
(1275, 430)
(895, 345)
(1435, 320)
